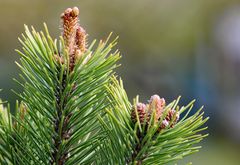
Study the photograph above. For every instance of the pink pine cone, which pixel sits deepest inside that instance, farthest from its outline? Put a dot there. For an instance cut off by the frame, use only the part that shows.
(157, 103)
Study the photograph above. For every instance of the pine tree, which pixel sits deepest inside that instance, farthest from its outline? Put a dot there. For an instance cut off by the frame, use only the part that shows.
(74, 109)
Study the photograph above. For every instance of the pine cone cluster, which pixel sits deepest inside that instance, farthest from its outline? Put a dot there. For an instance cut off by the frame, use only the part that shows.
(155, 107)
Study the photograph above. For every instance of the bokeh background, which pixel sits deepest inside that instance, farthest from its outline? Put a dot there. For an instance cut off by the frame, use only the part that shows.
(170, 47)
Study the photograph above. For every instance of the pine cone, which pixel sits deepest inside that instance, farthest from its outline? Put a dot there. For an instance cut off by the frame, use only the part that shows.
(164, 124)
(168, 120)
(170, 116)
(157, 103)
(141, 112)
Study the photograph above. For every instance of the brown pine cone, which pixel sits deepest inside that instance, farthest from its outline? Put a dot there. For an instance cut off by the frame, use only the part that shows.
(164, 124)
(141, 112)
(168, 119)
(170, 116)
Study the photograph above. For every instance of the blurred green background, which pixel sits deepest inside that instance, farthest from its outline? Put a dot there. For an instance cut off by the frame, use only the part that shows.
(170, 47)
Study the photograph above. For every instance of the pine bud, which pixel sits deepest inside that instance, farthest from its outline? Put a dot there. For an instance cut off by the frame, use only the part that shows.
(68, 11)
(75, 11)
(22, 111)
(74, 35)
(70, 23)
(81, 39)
(141, 113)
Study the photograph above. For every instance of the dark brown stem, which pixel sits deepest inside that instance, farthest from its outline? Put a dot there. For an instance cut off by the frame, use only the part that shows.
(135, 153)
(61, 133)
(133, 160)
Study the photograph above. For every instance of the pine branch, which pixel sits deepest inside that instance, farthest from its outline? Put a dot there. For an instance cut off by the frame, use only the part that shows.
(149, 134)
(73, 110)
(63, 97)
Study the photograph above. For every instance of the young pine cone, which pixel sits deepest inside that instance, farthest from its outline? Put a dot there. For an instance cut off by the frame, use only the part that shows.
(158, 104)
(141, 113)
(168, 119)
(164, 124)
